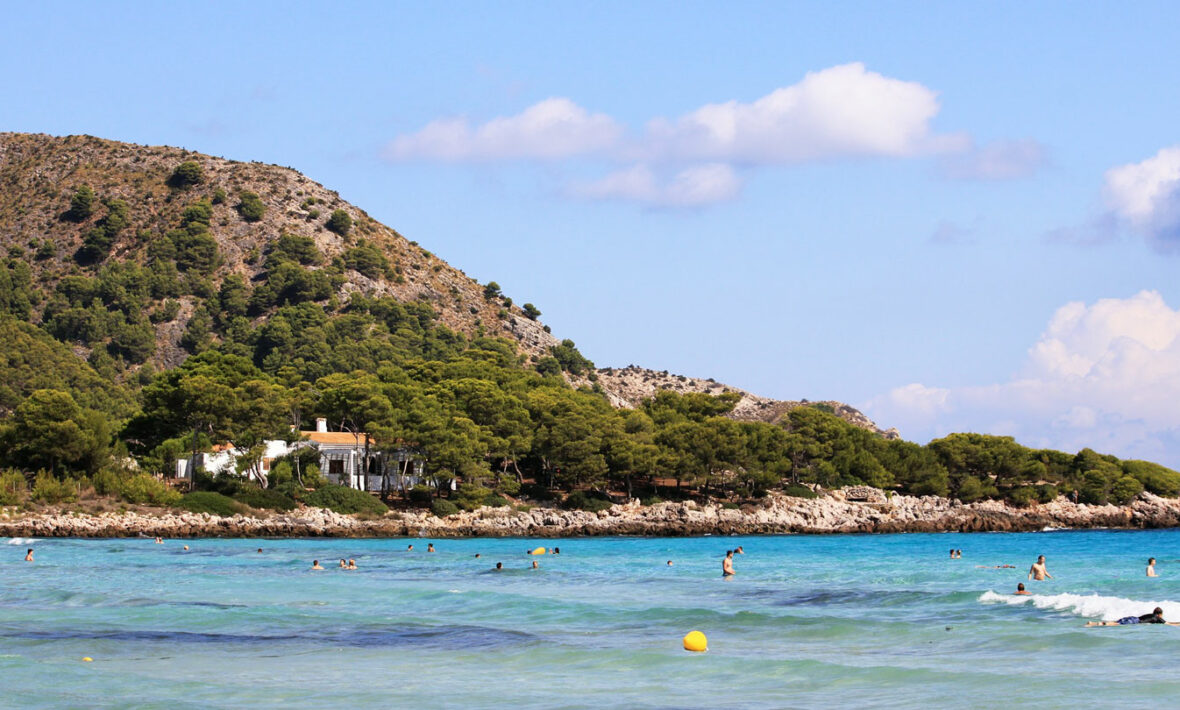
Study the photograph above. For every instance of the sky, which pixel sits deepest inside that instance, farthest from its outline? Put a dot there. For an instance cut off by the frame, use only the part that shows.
(957, 216)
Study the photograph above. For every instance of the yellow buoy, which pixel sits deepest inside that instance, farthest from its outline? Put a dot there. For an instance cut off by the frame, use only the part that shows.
(538, 551)
(696, 642)
(87, 659)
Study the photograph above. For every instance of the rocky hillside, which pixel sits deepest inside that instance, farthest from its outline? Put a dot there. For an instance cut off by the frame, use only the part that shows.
(40, 174)
(631, 385)
(137, 256)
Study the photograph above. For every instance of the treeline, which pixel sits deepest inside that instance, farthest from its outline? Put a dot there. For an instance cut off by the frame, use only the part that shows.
(481, 416)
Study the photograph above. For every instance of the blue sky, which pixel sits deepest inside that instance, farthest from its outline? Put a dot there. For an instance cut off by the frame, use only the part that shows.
(958, 217)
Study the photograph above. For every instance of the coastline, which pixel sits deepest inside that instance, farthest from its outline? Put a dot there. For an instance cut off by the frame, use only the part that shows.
(774, 515)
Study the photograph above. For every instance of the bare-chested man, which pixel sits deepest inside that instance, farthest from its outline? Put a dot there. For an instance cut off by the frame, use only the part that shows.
(1151, 568)
(727, 564)
(1038, 571)
(29, 555)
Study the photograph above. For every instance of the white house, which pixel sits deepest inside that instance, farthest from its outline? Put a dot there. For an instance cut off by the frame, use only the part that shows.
(342, 460)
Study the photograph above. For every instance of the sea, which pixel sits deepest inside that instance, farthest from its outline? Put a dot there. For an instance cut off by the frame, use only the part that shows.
(841, 621)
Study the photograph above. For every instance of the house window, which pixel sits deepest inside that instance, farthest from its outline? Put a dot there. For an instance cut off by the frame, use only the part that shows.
(336, 467)
(266, 464)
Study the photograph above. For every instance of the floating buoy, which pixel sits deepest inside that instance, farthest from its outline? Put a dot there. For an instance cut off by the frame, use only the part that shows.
(696, 642)
(87, 659)
(538, 551)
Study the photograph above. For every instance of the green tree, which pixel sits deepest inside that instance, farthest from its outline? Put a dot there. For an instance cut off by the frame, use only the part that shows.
(49, 430)
(340, 222)
(81, 204)
(186, 174)
(530, 311)
(250, 206)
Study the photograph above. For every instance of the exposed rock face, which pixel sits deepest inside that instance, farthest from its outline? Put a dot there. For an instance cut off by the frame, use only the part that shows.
(630, 386)
(776, 514)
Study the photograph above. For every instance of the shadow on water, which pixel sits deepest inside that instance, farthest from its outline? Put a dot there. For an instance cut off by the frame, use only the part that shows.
(433, 637)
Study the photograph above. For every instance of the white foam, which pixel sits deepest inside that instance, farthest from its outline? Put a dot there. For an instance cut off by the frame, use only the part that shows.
(1088, 605)
(23, 541)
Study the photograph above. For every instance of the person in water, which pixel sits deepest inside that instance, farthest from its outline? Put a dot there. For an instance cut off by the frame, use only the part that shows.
(315, 564)
(669, 563)
(29, 555)
(556, 551)
(1038, 571)
(410, 548)
(535, 565)
(1021, 590)
(1151, 568)
(727, 564)
(740, 550)
(499, 565)
(352, 564)
(343, 564)
(1155, 617)
(477, 555)
(430, 547)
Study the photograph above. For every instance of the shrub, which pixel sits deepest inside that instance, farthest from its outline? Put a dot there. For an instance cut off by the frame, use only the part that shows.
(442, 508)
(142, 488)
(366, 259)
(1022, 496)
(251, 208)
(81, 204)
(265, 499)
(652, 500)
(186, 174)
(1046, 492)
(421, 493)
(13, 487)
(797, 491)
(47, 488)
(218, 196)
(491, 291)
(339, 223)
(578, 500)
(344, 500)
(730, 505)
(471, 496)
(211, 502)
(530, 311)
(495, 501)
(1124, 489)
(537, 492)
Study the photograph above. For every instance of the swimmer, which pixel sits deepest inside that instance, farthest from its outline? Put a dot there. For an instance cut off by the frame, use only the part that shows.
(159, 541)
(477, 555)
(1038, 571)
(1021, 590)
(186, 548)
(556, 551)
(499, 566)
(29, 555)
(739, 550)
(352, 564)
(430, 547)
(669, 563)
(259, 550)
(952, 553)
(343, 563)
(535, 565)
(315, 564)
(727, 564)
(1151, 568)
(958, 554)
(410, 548)
(1155, 617)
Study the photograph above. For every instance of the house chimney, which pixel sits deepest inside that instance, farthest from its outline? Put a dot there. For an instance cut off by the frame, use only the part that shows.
(321, 424)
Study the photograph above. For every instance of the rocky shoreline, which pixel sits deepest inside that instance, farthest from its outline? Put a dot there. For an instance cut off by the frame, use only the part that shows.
(776, 514)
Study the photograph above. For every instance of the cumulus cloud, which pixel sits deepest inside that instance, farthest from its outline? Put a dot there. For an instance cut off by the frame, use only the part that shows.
(1000, 160)
(1104, 375)
(841, 111)
(692, 187)
(1146, 195)
(553, 129)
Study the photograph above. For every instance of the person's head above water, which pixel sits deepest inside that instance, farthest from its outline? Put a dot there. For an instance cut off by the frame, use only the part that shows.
(1020, 586)
(499, 565)
(1151, 561)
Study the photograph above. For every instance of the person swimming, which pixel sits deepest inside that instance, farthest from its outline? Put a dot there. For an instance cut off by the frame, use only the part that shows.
(477, 555)
(499, 565)
(351, 564)
(1155, 617)
(343, 563)
(430, 547)
(315, 564)
(727, 564)
(669, 563)
(410, 548)
(1151, 568)
(535, 565)
(1038, 570)
(556, 551)
(29, 555)
(1021, 590)
(740, 550)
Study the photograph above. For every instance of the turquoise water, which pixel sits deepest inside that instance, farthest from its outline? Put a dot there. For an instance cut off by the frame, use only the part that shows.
(835, 621)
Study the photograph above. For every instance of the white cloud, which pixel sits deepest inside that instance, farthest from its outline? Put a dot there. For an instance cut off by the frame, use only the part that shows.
(553, 129)
(1147, 196)
(1104, 375)
(1000, 160)
(841, 111)
(692, 187)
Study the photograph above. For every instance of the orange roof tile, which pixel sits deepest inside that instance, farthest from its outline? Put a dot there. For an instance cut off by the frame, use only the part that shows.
(346, 438)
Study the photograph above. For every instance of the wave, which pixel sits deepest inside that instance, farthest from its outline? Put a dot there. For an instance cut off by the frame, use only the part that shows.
(22, 541)
(1092, 606)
